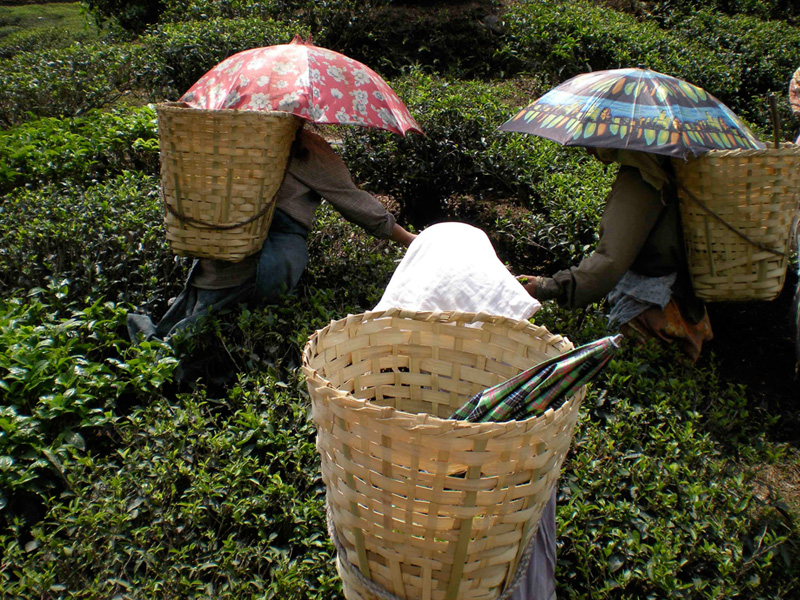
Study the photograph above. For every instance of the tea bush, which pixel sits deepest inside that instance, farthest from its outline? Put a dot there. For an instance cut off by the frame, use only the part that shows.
(463, 154)
(134, 15)
(183, 52)
(45, 38)
(459, 40)
(767, 10)
(650, 488)
(65, 82)
(106, 239)
(223, 494)
(764, 60)
(79, 149)
(568, 38)
(62, 372)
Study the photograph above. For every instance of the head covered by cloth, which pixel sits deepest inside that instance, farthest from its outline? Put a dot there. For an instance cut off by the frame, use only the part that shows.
(653, 167)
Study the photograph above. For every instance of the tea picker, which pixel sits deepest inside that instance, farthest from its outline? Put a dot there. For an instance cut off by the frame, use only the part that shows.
(241, 178)
(700, 210)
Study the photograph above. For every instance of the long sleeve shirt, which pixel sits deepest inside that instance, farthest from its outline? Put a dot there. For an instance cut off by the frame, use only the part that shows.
(319, 174)
(323, 174)
(639, 231)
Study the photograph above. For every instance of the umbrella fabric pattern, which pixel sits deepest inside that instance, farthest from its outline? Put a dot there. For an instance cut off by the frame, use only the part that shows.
(634, 109)
(314, 83)
(547, 384)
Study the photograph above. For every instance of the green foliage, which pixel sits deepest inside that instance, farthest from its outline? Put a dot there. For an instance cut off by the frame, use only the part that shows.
(463, 158)
(224, 495)
(79, 149)
(650, 503)
(763, 60)
(183, 52)
(202, 10)
(107, 239)
(768, 10)
(51, 17)
(455, 39)
(131, 15)
(51, 38)
(66, 82)
(567, 38)
(346, 264)
(61, 377)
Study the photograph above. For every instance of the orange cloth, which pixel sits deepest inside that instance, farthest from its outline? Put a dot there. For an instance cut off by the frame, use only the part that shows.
(669, 326)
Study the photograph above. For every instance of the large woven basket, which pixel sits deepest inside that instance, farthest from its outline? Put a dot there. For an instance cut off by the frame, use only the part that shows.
(737, 208)
(220, 170)
(422, 507)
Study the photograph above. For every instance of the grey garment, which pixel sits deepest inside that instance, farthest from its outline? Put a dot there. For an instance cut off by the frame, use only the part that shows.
(635, 293)
(191, 305)
(322, 174)
(540, 580)
(280, 263)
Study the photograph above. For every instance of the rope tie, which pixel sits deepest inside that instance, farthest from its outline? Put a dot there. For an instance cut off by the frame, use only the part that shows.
(697, 201)
(203, 225)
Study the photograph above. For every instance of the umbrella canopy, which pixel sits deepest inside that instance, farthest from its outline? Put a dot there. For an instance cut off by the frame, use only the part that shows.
(317, 84)
(544, 385)
(634, 109)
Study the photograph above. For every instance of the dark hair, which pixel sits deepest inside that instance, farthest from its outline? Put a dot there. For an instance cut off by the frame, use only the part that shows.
(298, 150)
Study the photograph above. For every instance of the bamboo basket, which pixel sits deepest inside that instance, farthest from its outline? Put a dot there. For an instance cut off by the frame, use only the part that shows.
(737, 208)
(421, 507)
(220, 171)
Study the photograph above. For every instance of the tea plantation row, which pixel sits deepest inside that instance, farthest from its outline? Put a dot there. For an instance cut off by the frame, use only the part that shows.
(119, 480)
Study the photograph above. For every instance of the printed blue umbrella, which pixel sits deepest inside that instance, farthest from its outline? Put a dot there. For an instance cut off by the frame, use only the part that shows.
(545, 385)
(634, 109)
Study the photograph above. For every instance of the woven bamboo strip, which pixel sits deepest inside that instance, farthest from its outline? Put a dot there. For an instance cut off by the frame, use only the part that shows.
(438, 509)
(737, 207)
(220, 171)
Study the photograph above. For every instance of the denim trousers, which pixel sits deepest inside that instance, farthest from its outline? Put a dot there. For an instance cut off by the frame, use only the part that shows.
(282, 260)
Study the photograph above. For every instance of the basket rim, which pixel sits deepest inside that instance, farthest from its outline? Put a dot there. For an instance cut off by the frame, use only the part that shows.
(786, 148)
(184, 107)
(425, 421)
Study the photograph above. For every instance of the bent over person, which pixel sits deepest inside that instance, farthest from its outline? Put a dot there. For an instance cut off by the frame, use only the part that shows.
(640, 263)
(314, 172)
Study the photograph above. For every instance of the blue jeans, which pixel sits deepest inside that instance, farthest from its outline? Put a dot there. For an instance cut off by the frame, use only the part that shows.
(282, 260)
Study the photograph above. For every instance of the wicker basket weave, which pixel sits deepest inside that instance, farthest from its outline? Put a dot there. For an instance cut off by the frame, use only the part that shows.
(422, 507)
(220, 170)
(737, 208)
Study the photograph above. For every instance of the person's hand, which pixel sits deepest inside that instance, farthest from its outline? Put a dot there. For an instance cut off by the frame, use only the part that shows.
(402, 236)
(541, 288)
(530, 283)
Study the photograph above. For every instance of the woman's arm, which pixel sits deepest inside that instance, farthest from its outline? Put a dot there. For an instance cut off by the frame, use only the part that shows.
(401, 236)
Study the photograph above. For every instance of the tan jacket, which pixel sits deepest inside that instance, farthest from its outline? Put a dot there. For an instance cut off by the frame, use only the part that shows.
(639, 231)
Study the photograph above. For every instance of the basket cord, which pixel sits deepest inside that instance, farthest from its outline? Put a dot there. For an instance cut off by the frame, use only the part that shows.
(385, 594)
(697, 201)
(197, 222)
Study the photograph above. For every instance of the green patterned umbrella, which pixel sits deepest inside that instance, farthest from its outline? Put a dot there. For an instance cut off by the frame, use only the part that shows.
(547, 384)
(634, 109)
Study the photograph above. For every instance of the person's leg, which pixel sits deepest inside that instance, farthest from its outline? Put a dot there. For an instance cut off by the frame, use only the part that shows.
(540, 581)
(284, 257)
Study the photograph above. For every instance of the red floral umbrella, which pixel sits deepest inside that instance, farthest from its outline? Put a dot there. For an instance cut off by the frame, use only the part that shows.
(317, 84)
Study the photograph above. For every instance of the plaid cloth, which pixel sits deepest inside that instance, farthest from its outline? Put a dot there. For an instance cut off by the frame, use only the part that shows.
(547, 384)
